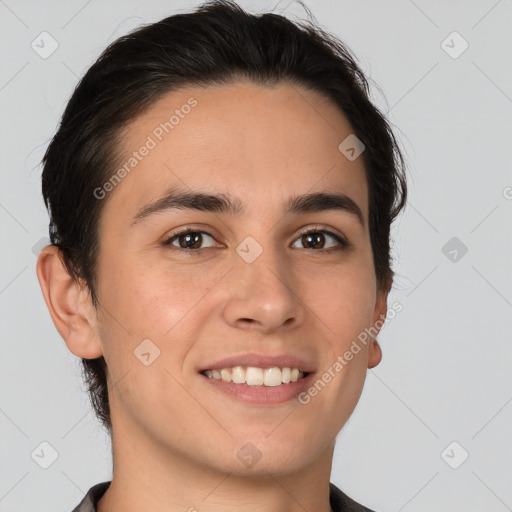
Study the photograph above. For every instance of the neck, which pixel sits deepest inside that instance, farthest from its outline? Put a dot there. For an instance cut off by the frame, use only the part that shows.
(147, 476)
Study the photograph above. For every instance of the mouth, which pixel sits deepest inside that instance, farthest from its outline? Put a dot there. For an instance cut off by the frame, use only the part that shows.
(258, 386)
(258, 379)
(257, 376)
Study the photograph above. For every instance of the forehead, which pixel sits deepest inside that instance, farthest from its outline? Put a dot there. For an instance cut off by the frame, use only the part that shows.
(260, 143)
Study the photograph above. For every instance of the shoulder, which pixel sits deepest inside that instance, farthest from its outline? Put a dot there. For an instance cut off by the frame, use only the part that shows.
(90, 500)
(340, 502)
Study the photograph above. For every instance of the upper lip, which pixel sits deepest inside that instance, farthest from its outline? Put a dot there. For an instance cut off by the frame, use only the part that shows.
(260, 361)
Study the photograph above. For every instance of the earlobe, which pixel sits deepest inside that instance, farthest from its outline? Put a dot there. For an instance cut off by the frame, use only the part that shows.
(379, 316)
(374, 354)
(71, 311)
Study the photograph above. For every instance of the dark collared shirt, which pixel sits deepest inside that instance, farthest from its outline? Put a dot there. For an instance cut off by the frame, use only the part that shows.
(340, 502)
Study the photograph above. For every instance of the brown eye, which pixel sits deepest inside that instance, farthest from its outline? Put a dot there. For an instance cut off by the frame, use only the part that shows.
(187, 241)
(190, 240)
(316, 239)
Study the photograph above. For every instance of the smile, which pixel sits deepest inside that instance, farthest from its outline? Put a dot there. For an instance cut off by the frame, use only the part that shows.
(254, 376)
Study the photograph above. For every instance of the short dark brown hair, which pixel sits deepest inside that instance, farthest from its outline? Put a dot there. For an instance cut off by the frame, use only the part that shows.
(218, 43)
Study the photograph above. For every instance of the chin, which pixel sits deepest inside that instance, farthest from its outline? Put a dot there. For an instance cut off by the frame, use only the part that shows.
(275, 453)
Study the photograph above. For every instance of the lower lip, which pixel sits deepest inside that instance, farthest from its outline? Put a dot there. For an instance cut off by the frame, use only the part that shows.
(265, 395)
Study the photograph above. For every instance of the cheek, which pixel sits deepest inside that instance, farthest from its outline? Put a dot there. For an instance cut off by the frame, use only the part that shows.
(148, 312)
(151, 301)
(345, 301)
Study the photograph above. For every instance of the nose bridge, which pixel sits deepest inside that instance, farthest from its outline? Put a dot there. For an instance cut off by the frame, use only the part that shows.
(262, 293)
(262, 265)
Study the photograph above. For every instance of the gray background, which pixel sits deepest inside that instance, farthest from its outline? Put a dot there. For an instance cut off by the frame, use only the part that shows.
(446, 371)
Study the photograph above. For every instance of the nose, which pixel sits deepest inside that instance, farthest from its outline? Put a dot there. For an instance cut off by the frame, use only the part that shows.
(264, 295)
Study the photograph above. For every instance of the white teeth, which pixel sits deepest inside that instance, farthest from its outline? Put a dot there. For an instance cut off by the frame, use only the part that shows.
(238, 375)
(272, 377)
(254, 376)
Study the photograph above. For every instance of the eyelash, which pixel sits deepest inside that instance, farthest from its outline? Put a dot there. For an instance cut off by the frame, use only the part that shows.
(319, 229)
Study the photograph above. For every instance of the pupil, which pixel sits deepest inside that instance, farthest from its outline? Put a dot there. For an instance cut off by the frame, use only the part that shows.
(310, 237)
(188, 237)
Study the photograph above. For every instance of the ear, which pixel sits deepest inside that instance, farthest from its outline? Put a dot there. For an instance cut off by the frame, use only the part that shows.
(379, 315)
(69, 305)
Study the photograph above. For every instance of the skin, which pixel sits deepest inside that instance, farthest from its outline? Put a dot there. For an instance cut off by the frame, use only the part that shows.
(175, 438)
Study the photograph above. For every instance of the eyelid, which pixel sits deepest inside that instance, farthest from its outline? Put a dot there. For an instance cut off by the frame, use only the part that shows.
(168, 239)
(327, 229)
(208, 230)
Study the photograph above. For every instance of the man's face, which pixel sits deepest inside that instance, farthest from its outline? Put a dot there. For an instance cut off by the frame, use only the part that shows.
(246, 283)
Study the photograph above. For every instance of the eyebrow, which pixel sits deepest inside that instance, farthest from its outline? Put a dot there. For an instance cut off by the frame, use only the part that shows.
(225, 203)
